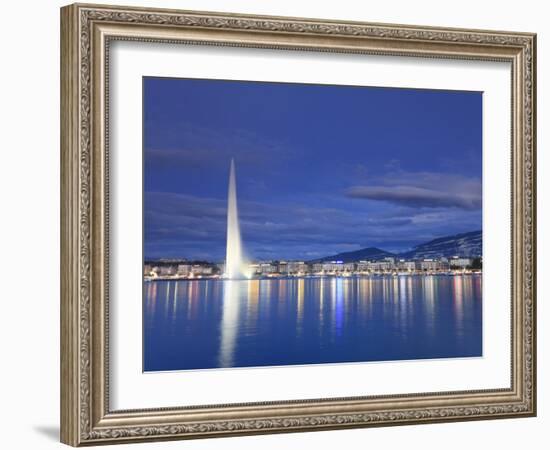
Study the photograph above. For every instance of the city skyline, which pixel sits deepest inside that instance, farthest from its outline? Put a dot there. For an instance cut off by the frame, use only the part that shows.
(392, 169)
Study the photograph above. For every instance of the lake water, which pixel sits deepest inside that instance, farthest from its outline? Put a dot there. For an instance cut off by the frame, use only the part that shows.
(205, 324)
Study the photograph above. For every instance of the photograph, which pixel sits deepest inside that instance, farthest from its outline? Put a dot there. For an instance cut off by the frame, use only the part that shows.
(294, 224)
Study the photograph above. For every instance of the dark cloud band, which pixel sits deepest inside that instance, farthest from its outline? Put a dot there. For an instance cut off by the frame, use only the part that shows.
(417, 197)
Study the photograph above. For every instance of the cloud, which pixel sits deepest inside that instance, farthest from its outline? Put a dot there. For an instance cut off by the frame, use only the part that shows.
(181, 225)
(192, 146)
(424, 190)
(414, 196)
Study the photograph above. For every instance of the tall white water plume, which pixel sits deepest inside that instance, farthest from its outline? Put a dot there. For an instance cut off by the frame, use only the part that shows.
(235, 266)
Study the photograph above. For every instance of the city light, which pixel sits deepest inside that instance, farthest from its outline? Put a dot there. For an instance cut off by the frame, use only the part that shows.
(169, 270)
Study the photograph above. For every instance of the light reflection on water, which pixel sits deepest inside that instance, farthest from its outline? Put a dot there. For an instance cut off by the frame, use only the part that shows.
(199, 324)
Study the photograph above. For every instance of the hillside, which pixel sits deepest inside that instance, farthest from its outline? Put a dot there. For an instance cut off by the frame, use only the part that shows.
(370, 253)
(464, 244)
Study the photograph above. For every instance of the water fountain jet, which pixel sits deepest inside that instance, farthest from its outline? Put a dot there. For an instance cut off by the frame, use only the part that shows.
(235, 265)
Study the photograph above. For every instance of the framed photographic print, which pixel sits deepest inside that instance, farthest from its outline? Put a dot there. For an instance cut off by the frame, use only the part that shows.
(275, 224)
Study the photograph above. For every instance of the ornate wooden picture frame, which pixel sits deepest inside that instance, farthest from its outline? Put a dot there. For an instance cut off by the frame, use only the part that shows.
(87, 31)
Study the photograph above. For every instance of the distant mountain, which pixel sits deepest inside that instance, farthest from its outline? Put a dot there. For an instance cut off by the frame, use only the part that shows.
(370, 254)
(464, 244)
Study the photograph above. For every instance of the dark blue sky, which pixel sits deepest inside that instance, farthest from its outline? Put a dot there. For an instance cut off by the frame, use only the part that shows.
(320, 169)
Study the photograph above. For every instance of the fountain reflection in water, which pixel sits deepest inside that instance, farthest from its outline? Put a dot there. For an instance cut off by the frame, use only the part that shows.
(235, 264)
(229, 323)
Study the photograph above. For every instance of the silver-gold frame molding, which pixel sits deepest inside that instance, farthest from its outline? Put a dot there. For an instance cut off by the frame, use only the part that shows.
(86, 33)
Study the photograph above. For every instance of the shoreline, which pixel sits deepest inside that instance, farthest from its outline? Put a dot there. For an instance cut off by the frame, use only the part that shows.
(291, 277)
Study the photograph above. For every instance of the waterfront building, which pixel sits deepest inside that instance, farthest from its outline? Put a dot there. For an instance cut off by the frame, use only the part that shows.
(349, 267)
(460, 262)
(167, 271)
(333, 266)
(197, 269)
(294, 267)
(184, 269)
(433, 264)
(380, 266)
(267, 268)
(409, 266)
(317, 267)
